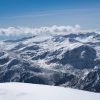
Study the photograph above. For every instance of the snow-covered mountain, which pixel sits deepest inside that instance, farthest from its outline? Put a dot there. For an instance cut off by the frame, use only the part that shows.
(69, 60)
(23, 91)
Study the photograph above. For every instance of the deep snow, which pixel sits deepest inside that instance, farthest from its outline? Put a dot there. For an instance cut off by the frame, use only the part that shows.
(26, 91)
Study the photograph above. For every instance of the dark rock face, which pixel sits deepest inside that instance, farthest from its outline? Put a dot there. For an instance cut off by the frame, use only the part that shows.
(91, 82)
(81, 57)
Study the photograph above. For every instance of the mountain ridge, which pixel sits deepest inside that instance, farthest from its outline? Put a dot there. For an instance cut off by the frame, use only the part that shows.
(71, 60)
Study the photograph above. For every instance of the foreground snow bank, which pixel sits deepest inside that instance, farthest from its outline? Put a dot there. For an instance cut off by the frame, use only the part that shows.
(25, 91)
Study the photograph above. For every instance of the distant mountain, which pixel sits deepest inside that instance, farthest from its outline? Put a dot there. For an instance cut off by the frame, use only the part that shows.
(69, 60)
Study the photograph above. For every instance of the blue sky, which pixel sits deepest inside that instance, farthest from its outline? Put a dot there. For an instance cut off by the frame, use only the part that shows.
(38, 13)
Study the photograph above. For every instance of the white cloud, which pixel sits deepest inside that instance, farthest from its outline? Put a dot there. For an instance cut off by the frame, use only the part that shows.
(17, 31)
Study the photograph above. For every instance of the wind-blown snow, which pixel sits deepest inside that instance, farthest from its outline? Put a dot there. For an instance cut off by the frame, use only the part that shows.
(25, 91)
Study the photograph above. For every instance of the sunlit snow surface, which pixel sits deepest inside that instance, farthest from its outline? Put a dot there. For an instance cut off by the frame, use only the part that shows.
(25, 91)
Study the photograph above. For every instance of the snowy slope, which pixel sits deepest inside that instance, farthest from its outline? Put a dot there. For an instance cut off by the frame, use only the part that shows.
(23, 91)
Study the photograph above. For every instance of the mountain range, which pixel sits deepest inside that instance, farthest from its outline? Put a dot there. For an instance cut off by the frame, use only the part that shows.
(66, 60)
